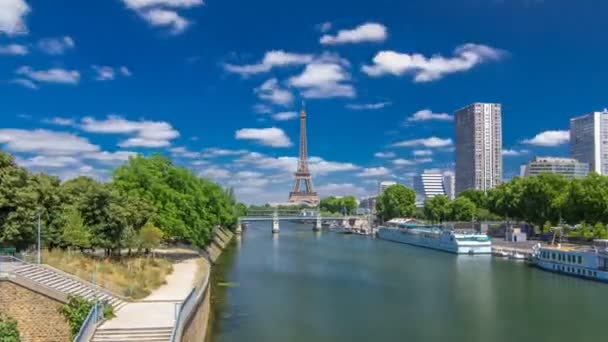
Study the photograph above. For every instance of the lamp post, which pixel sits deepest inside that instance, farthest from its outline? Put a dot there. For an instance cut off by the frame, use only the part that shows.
(38, 256)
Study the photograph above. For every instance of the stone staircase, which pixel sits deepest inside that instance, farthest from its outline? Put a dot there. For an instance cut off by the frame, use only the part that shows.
(67, 284)
(157, 334)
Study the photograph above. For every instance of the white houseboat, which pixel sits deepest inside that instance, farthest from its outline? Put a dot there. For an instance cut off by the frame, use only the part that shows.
(584, 262)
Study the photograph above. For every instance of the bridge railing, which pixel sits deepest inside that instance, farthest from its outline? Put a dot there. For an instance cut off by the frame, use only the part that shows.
(270, 213)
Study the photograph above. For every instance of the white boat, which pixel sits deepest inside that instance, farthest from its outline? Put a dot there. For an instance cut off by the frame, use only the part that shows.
(585, 262)
(459, 242)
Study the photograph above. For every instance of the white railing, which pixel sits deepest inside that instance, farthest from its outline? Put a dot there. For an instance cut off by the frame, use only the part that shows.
(87, 329)
(186, 309)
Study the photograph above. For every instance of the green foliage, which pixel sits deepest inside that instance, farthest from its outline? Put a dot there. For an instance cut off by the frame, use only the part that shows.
(341, 205)
(75, 312)
(150, 236)
(478, 197)
(438, 208)
(462, 209)
(75, 233)
(396, 201)
(8, 329)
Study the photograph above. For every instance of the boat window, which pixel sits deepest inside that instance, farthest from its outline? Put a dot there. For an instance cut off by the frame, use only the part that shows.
(553, 256)
(580, 259)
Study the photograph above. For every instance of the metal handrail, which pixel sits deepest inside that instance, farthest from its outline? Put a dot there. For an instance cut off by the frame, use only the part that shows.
(88, 327)
(186, 310)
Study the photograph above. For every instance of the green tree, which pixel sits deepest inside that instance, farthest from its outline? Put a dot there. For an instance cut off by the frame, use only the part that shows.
(587, 200)
(478, 197)
(75, 233)
(8, 329)
(350, 204)
(150, 237)
(438, 208)
(543, 198)
(396, 201)
(463, 209)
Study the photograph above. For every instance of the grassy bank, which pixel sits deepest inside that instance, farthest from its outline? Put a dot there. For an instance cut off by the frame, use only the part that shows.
(133, 277)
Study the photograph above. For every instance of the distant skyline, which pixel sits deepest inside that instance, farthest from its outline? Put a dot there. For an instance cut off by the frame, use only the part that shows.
(217, 85)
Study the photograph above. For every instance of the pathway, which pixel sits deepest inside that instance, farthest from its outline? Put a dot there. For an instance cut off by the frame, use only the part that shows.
(152, 318)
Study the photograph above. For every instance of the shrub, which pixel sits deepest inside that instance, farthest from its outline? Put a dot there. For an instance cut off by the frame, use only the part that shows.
(8, 329)
(75, 312)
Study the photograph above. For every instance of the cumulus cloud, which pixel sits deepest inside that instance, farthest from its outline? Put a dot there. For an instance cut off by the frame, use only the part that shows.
(14, 50)
(273, 136)
(368, 106)
(384, 155)
(426, 69)
(57, 45)
(214, 173)
(340, 189)
(12, 17)
(25, 83)
(108, 73)
(285, 116)
(288, 165)
(374, 172)
(428, 115)
(271, 91)
(272, 59)
(183, 152)
(426, 142)
(164, 13)
(144, 133)
(514, 153)
(54, 75)
(213, 152)
(549, 138)
(368, 32)
(45, 142)
(324, 80)
(422, 153)
(59, 121)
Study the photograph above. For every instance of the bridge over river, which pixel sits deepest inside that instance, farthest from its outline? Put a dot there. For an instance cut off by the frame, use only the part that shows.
(302, 216)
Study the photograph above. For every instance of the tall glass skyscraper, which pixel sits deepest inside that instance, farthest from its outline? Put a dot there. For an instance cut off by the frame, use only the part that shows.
(589, 140)
(478, 146)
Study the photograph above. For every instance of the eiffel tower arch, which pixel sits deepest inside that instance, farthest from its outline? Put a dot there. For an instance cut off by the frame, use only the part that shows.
(303, 191)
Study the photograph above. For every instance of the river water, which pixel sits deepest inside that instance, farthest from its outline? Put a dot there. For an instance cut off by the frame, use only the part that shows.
(306, 286)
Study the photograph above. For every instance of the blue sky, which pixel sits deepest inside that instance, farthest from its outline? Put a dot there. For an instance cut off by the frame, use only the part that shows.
(216, 84)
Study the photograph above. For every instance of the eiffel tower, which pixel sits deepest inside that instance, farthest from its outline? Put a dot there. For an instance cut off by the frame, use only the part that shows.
(302, 191)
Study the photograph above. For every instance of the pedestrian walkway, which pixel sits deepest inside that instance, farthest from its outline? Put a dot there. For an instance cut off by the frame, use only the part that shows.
(151, 318)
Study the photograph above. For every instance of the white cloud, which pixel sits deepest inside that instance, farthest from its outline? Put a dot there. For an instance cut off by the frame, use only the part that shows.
(374, 172)
(146, 133)
(55, 75)
(213, 152)
(45, 142)
(324, 27)
(14, 50)
(288, 165)
(261, 108)
(403, 162)
(285, 116)
(422, 153)
(384, 155)
(104, 73)
(273, 136)
(271, 91)
(324, 80)
(110, 157)
(125, 71)
(60, 121)
(48, 162)
(25, 83)
(427, 115)
(214, 173)
(513, 153)
(184, 153)
(340, 189)
(368, 106)
(426, 69)
(368, 32)
(272, 59)
(164, 13)
(12, 17)
(549, 138)
(56, 46)
(426, 142)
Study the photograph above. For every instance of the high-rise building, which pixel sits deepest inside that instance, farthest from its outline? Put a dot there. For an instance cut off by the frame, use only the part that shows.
(428, 185)
(449, 186)
(567, 167)
(589, 140)
(478, 146)
(383, 185)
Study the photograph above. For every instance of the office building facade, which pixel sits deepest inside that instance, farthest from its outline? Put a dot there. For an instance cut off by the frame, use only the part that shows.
(589, 140)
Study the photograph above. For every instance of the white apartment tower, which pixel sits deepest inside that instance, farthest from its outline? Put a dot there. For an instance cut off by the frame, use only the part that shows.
(589, 140)
(478, 146)
(428, 185)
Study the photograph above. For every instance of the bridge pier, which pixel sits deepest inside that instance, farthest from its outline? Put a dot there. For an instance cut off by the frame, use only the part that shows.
(318, 225)
(275, 223)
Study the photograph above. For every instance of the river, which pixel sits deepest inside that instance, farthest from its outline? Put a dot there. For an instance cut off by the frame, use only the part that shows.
(306, 286)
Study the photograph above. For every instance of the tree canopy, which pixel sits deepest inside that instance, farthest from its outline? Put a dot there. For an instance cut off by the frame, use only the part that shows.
(396, 201)
(342, 205)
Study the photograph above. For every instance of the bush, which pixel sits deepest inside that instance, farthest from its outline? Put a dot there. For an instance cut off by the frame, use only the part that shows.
(75, 312)
(8, 329)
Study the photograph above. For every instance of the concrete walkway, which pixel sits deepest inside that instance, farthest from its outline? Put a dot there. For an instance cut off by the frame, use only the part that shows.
(159, 308)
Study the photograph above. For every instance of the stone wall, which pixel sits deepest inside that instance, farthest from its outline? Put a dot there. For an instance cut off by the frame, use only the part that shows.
(196, 328)
(37, 315)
